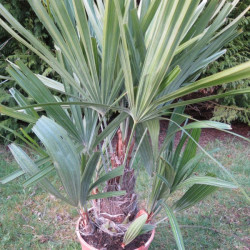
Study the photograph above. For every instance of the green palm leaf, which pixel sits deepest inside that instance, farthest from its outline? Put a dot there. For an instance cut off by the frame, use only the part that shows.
(63, 152)
(174, 226)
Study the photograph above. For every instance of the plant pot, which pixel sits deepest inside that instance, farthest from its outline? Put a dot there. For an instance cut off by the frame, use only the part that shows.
(86, 246)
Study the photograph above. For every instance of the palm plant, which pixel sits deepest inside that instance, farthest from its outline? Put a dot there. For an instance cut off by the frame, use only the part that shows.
(124, 67)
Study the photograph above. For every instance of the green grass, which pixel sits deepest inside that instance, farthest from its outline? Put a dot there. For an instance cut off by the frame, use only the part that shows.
(31, 219)
(222, 220)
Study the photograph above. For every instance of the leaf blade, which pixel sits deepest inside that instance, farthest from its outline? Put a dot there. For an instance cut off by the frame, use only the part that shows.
(175, 227)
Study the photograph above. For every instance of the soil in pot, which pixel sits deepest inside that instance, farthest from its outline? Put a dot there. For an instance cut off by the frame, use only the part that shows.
(102, 240)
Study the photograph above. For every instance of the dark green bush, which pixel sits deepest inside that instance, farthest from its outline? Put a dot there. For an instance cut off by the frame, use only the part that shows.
(238, 51)
(11, 50)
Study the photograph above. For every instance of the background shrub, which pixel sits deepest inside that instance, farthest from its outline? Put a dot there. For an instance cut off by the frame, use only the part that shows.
(233, 108)
(12, 50)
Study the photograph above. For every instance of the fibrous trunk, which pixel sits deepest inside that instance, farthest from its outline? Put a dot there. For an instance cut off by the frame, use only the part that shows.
(113, 215)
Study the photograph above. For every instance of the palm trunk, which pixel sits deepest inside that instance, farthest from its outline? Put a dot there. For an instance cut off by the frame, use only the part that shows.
(112, 215)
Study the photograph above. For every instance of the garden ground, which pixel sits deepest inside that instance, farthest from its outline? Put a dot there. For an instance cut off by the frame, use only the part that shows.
(31, 219)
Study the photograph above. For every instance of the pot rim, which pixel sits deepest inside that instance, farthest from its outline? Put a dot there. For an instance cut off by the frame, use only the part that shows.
(84, 243)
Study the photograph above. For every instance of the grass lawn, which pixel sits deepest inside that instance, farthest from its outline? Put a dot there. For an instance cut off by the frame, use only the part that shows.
(31, 219)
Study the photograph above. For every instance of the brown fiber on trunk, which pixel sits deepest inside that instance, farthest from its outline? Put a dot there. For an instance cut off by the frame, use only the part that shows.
(113, 215)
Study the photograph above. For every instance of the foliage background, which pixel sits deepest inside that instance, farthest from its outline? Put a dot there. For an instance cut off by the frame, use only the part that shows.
(228, 109)
(12, 50)
(233, 108)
